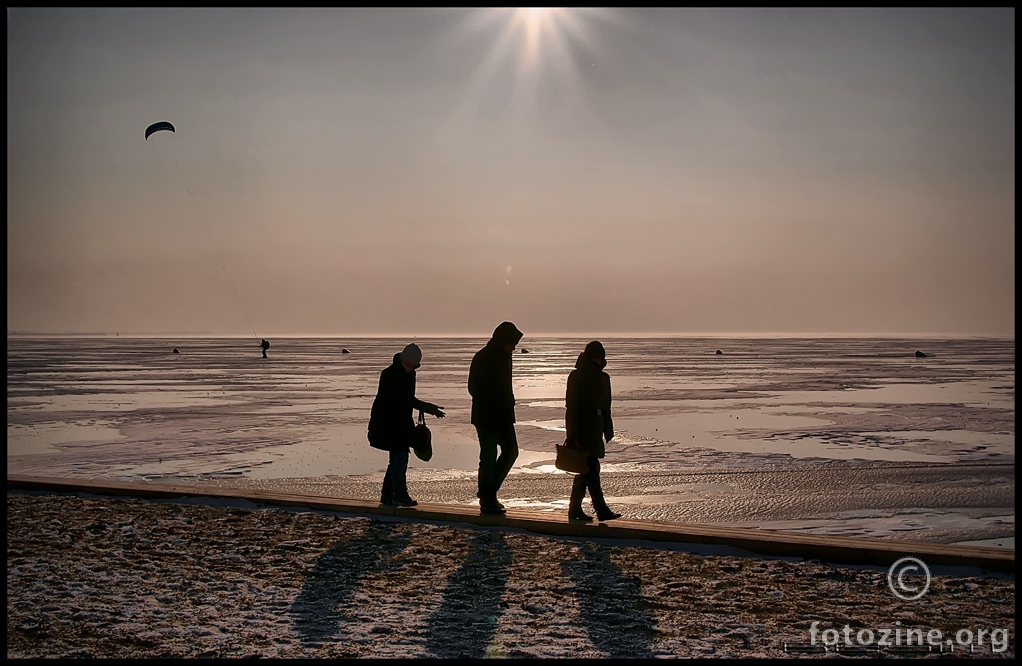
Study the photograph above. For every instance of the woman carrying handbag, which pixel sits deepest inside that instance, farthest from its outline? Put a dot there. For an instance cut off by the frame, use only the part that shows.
(588, 424)
(391, 427)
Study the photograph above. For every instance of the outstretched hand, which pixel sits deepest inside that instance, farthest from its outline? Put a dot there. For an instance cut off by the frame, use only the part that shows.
(438, 412)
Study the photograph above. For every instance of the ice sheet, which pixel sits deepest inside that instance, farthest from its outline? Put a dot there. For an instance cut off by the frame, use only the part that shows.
(130, 409)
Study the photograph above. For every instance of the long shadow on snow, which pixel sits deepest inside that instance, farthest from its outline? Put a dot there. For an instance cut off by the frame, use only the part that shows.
(318, 610)
(613, 609)
(466, 621)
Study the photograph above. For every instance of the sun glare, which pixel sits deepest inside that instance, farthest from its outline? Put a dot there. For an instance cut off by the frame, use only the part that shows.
(538, 41)
(539, 35)
(533, 21)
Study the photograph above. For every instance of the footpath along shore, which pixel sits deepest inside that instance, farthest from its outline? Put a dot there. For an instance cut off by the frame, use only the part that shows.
(126, 570)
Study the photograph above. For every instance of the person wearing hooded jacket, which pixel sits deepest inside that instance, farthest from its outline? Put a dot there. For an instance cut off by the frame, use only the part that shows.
(493, 413)
(391, 426)
(587, 420)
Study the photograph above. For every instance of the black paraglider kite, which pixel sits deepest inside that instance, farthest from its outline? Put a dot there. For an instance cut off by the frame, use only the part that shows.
(159, 127)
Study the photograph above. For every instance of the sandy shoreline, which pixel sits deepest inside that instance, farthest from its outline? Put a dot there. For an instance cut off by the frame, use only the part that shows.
(135, 578)
(907, 501)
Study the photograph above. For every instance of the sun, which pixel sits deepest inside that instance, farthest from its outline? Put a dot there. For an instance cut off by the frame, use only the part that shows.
(535, 24)
(529, 48)
(538, 36)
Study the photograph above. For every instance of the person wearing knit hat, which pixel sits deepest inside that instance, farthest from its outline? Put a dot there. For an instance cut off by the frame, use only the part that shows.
(391, 426)
(411, 357)
(493, 413)
(588, 422)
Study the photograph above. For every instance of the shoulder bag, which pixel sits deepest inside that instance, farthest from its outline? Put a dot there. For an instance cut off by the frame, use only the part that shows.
(571, 458)
(422, 440)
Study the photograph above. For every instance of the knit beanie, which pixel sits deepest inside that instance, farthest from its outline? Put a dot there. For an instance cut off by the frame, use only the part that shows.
(412, 355)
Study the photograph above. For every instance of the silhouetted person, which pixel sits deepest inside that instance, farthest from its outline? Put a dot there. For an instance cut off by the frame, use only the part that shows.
(265, 344)
(587, 420)
(493, 413)
(391, 426)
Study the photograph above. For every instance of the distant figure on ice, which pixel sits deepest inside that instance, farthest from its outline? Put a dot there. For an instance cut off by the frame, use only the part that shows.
(493, 413)
(265, 344)
(920, 354)
(176, 351)
(587, 421)
(391, 426)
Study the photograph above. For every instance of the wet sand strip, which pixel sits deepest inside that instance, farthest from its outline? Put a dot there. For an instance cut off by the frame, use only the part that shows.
(831, 549)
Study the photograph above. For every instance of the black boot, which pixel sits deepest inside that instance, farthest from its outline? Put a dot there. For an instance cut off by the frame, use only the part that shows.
(488, 504)
(578, 492)
(490, 500)
(603, 512)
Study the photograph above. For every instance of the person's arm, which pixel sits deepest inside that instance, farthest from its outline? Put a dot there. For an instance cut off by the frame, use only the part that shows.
(390, 388)
(428, 407)
(473, 376)
(608, 423)
(571, 408)
(484, 378)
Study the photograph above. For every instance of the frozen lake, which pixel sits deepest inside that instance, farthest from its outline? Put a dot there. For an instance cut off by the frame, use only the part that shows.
(130, 409)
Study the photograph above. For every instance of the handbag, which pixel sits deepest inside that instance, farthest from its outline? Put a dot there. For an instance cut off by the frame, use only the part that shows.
(571, 458)
(422, 440)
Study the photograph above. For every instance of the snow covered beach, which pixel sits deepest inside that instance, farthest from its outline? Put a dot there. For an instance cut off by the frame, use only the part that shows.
(130, 578)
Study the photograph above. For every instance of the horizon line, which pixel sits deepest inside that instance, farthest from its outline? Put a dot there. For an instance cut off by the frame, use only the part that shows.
(546, 334)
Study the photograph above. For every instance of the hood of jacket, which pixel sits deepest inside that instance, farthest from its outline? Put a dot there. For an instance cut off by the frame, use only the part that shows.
(583, 362)
(506, 332)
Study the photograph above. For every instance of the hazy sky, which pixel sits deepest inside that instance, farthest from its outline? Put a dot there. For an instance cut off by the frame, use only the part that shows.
(426, 171)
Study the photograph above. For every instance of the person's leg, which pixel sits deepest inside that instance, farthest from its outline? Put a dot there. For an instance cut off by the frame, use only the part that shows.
(508, 454)
(578, 493)
(387, 493)
(487, 462)
(399, 460)
(603, 512)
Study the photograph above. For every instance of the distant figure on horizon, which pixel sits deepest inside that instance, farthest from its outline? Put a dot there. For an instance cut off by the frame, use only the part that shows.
(391, 426)
(587, 420)
(345, 351)
(720, 353)
(265, 344)
(920, 354)
(176, 351)
(493, 413)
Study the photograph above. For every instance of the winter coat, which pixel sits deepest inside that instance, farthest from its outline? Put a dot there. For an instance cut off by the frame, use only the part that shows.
(489, 380)
(587, 414)
(391, 425)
